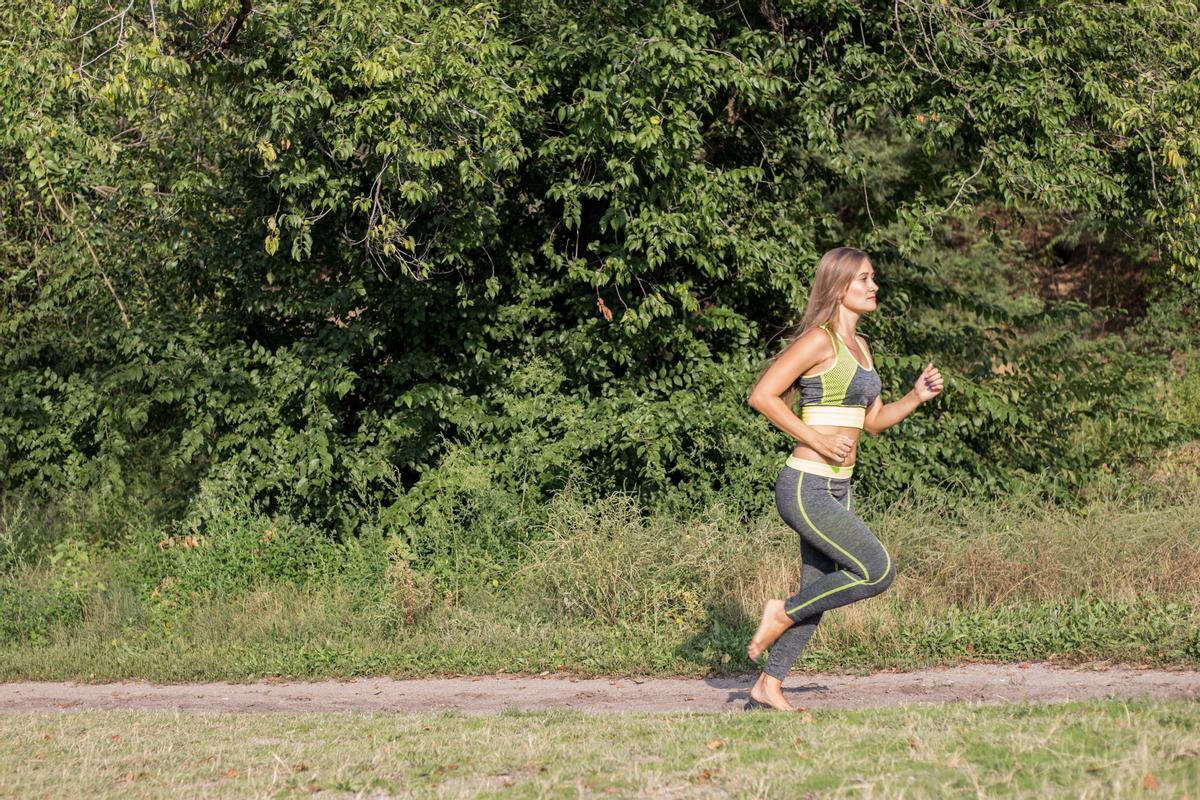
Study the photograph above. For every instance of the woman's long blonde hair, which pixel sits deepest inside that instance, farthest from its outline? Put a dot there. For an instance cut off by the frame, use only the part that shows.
(835, 272)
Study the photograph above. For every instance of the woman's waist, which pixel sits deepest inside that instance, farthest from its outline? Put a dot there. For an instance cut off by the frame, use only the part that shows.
(813, 463)
(802, 452)
(850, 431)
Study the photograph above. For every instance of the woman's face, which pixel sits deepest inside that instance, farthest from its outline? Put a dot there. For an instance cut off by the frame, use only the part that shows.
(860, 296)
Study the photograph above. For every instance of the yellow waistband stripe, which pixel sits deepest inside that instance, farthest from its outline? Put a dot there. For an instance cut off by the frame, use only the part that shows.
(842, 416)
(820, 468)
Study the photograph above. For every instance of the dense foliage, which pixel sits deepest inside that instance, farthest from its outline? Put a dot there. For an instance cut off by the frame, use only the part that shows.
(365, 263)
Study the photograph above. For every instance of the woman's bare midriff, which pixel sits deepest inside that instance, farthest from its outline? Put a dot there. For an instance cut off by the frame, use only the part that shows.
(804, 451)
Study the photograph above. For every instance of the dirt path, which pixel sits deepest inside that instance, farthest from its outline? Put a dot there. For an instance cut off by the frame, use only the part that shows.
(974, 683)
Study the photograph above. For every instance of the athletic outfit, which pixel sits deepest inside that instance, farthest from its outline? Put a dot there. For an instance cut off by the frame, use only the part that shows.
(843, 561)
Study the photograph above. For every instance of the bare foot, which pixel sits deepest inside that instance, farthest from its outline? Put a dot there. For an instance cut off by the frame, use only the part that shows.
(773, 623)
(770, 691)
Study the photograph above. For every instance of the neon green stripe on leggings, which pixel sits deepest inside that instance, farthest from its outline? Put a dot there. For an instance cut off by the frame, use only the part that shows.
(854, 581)
(800, 502)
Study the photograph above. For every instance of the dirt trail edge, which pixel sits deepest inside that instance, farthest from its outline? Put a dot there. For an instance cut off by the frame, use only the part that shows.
(972, 683)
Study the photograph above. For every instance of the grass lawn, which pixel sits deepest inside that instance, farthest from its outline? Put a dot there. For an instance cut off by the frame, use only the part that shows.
(1112, 748)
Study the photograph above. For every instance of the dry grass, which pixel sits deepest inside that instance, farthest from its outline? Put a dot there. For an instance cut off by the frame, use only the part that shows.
(611, 590)
(604, 563)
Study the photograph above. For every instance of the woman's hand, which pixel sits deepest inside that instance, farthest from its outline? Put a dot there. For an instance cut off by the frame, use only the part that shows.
(929, 385)
(833, 446)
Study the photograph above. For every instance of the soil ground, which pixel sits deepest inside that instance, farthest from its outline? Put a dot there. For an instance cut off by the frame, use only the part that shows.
(971, 683)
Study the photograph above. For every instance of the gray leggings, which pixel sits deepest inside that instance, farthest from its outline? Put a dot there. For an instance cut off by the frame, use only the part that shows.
(843, 561)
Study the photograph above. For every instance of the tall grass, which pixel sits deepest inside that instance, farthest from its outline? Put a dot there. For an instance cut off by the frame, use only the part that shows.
(606, 586)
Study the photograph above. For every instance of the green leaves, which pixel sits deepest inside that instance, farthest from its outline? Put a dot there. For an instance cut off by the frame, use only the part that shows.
(350, 236)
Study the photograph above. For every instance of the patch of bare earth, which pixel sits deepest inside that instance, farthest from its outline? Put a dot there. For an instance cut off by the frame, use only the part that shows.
(971, 683)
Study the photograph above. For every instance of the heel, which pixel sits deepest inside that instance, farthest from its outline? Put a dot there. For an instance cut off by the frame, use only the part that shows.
(753, 705)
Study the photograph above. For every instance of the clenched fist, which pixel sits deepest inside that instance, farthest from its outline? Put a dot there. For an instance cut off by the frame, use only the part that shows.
(929, 384)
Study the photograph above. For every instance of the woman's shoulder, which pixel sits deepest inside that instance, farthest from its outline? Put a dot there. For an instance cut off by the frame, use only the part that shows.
(813, 347)
(818, 336)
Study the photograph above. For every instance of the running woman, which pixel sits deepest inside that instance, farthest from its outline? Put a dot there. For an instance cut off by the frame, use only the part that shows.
(830, 365)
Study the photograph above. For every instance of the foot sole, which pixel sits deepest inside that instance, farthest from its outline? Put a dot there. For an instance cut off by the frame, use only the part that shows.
(766, 623)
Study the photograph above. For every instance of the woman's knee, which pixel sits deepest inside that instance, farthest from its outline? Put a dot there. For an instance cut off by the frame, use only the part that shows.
(880, 571)
(882, 574)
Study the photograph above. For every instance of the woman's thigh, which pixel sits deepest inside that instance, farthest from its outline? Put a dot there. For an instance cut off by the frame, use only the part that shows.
(816, 508)
(816, 563)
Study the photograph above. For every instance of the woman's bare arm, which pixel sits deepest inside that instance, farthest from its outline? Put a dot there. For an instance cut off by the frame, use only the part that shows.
(882, 416)
(800, 356)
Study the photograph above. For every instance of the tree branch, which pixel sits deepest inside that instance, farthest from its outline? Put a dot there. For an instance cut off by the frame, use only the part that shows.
(70, 218)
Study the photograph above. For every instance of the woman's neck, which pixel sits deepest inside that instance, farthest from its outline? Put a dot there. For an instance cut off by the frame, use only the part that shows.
(847, 322)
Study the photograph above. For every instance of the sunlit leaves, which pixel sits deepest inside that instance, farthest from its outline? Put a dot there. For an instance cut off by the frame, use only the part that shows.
(351, 234)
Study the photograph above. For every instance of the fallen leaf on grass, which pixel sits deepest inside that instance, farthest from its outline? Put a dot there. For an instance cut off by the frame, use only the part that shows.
(115, 737)
(300, 766)
(231, 773)
(706, 776)
(716, 744)
(1150, 782)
